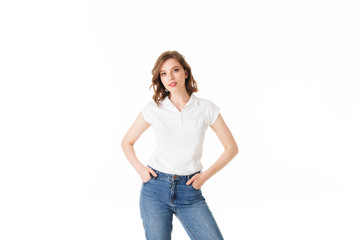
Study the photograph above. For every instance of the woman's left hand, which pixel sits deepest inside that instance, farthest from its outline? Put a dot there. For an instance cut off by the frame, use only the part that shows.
(197, 180)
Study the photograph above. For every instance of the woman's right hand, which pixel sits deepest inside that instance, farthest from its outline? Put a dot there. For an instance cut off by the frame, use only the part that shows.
(145, 174)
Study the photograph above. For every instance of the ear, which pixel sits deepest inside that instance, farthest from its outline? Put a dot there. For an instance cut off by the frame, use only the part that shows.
(186, 74)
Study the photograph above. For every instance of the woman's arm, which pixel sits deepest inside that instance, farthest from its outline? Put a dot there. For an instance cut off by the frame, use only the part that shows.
(231, 149)
(127, 145)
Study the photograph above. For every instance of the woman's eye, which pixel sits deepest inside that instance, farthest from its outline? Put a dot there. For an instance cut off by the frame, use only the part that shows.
(176, 70)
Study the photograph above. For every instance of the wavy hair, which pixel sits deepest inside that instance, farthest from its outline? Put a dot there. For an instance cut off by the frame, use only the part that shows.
(160, 92)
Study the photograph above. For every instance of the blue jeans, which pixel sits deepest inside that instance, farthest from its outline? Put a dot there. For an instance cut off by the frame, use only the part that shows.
(168, 194)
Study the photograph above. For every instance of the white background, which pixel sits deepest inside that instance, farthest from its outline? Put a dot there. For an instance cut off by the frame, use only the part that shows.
(75, 74)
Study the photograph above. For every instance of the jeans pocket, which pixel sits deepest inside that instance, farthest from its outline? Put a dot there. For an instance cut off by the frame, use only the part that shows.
(195, 188)
(148, 180)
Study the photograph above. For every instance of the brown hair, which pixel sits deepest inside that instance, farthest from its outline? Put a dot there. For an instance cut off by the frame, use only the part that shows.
(159, 90)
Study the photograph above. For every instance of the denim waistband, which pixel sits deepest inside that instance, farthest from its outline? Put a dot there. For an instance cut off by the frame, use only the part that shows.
(173, 176)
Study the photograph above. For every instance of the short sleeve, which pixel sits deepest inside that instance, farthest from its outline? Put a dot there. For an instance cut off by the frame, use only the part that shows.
(214, 112)
(147, 112)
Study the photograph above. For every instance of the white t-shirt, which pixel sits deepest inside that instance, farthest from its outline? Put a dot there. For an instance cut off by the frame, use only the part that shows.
(179, 135)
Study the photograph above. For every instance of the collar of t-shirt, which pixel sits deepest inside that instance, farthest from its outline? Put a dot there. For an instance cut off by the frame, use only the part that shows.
(192, 101)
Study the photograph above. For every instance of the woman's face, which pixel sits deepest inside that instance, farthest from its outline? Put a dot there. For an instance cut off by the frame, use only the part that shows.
(173, 76)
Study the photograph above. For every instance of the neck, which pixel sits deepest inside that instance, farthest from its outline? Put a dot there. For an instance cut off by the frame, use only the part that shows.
(179, 97)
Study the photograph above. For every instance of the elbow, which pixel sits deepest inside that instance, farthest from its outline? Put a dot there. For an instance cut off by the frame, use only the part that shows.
(125, 143)
(233, 148)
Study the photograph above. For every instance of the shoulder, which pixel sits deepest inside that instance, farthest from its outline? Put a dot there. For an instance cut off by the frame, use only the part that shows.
(151, 104)
(210, 110)
(207, 103)
(149, 111)
(151, 107)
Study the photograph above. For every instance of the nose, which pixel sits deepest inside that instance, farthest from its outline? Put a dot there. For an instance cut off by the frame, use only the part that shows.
(171, 76)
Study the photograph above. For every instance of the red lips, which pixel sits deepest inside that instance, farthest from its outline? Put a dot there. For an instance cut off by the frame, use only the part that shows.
(173, 84)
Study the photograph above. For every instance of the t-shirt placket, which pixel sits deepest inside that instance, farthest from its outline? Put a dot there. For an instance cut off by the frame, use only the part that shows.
(179, 113)
(180, 119)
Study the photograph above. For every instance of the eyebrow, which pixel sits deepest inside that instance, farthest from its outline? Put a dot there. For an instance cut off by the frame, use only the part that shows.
(171, 68)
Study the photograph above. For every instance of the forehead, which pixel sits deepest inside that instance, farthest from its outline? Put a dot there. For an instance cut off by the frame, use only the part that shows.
(168, 64)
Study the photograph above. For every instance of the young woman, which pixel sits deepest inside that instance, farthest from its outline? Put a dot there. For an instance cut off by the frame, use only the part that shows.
(173, 178)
